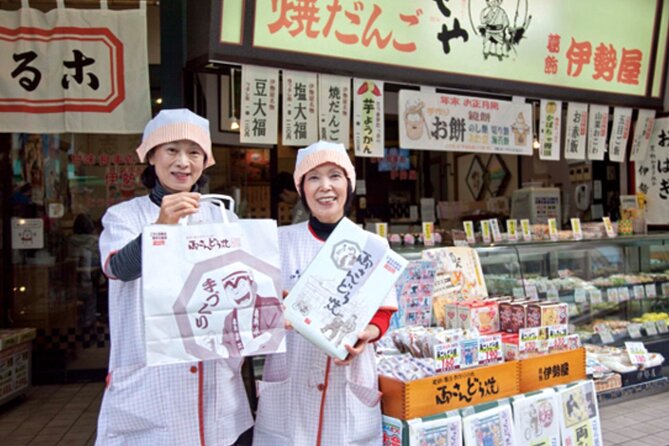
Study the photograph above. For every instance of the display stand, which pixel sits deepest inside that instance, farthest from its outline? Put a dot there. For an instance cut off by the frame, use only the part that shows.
(15, 362)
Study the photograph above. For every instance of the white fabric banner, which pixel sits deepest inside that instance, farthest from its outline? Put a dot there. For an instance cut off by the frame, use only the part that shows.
(652, 175)
(300, 113)
(74, 70)
(464, 124)
(576, 131)
(259, 105)
(334, 108)
(598, 121)
(642, 133)
(368, 129)
(620, 132)
(550, 125)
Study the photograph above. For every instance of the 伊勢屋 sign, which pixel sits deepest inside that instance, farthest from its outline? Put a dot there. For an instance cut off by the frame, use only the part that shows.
(552, 46)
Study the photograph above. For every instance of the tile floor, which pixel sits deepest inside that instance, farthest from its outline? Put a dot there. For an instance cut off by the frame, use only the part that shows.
(67, 414)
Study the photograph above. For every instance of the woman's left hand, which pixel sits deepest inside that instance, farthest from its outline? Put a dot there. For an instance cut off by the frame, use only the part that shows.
(367, 335)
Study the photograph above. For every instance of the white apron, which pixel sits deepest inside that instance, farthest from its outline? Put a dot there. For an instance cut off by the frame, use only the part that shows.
(178, 404)
(304, 398)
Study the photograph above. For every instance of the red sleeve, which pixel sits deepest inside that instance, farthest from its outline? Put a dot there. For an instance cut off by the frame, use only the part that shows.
(382, 320)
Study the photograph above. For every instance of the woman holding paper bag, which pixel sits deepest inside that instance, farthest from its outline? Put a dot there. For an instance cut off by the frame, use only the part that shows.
(178, 404)
(306, 397)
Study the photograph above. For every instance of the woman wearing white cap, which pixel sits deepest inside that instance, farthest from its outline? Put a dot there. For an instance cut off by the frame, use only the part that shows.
(180, 404)
(306, 397)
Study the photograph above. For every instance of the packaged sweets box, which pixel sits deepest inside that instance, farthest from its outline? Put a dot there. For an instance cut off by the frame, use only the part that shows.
(343, 287)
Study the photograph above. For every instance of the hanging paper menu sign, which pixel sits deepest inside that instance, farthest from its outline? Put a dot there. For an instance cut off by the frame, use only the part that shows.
(642, 134)
(368, 122)
(550, 121)
(620, 132)
(576, 130)
(300, 118)
(334, 108)
(258, 110)
(598, 121)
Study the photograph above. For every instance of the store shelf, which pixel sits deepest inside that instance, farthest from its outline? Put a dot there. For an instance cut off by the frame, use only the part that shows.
(632, 392)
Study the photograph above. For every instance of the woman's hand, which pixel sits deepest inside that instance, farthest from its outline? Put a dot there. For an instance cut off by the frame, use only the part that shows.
(367, 335)
(286, 323)
(176, 206)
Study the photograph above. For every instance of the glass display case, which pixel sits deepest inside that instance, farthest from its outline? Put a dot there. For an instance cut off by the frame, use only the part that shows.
(616, 282)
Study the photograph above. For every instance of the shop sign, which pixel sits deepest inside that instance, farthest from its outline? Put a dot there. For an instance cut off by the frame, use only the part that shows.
(74, 70)
(27, 233)
(620, 132)
(334, 108)
(300, 113)
(464, 124)
(643, 130)
(598, 121)
(576, 130)
(550, 122)
(542, 42)
(368, 121)
(259, 110)
(552, 369)
(652, 175)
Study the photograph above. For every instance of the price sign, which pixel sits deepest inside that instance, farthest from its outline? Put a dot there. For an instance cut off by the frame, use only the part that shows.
(634, 331)
(650, 327)
(665, 289)
(606, 336)
(576, 231)
(662, 326)
(496, 234)
(612, 295)
(381, 229)
(579, 295)
(623, 294)
(608, 226)
(553, 230)
(596, 296)
(485, 231)
(552, 294)
(469, 231)
(651, 291)
(637, 352)
(447, 356)
(512, 230)
(527, 229)
(639, 292)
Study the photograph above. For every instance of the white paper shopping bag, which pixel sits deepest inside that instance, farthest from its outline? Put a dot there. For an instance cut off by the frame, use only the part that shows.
(211, 290)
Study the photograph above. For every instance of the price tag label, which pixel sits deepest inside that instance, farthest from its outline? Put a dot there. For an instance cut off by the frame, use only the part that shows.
(608, 227)
(662, 326)
(612, 295)
(553, 229)
(639, 292)
(469, 231)
(651, 291)
(606, 336)
(512, 230)
(576, 230)
(665, 289)
(494, 228)
(634, 331)
(527, 229)
(485, 231)
(428, 233)
(595, 296)
(579, 296)
(637, 352)
(447, 356)
(650, 327)
(623, 294)
(381, 229)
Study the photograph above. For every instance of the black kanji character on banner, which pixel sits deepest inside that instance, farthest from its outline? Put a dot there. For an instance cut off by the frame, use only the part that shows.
(80, 61)
(26, 82)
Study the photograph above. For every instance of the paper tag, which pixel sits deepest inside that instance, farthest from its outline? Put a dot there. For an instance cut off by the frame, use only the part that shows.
(608, 227)
(496, 234)
(634, 331)
(612, 295)
(665, 289)
(531, 292)
(650, 327)
(512, 230)
(637, 352)
(527, 229)
(662, 326)
(606, 336)
(490, 349)
(579, 295)
(428, 233)
(469, 231)
(447, 356)
(552, 294)
(639, 292)
(485, 231)
(553, 230)
(651, 291)
(596, 296)
(576, 231)
(623, 294)
(381, 229)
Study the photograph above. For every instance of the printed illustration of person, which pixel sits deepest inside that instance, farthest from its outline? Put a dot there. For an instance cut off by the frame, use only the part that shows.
(339, 328)
(494, 26)
(255, 324)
